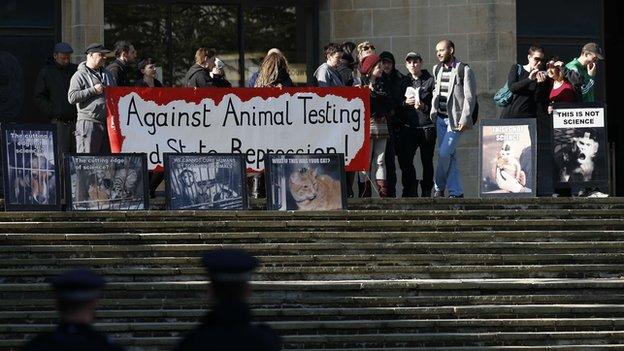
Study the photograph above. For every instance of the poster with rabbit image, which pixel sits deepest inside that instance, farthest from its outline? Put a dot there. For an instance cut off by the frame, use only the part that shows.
(507, 158)
(106, 183)
(306, 182)
(205, 181)
(30, 167)
(580, 146)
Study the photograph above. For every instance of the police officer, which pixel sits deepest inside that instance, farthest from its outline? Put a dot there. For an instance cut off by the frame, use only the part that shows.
(228, 326)
(77, 292)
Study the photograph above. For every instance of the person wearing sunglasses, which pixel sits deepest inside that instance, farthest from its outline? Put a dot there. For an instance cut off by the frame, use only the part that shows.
(526, 85)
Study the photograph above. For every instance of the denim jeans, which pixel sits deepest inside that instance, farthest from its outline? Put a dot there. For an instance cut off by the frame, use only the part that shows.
(447, 173)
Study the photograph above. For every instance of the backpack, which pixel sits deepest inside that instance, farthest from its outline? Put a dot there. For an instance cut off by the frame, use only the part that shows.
(504, 96)
(461, 72)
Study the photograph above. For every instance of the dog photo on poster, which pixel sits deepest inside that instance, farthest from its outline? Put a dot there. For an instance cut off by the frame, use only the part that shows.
(307, 182)
(112, 182)
(205, 181)
(30, 167)
(579, 147)
(507, 158)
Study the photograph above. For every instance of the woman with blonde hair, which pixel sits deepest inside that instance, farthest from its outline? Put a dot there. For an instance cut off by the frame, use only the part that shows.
(273, 72)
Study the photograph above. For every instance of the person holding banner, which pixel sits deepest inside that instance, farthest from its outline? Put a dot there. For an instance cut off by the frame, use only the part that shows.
(199, 75)
(381, 104)
(86, 90)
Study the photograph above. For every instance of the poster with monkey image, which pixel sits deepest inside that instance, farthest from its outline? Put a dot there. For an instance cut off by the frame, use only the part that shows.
(507, 158)
(580, 146)
(306, 182)
(205, 181)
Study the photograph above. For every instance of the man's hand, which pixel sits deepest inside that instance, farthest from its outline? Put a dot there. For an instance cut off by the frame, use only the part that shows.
(533, 74)
(461, 128)
(410, 101)
(99, 88)
(591, 69)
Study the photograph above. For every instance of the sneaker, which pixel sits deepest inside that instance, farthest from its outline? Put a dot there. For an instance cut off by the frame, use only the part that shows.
(460, 196)
(439, 193)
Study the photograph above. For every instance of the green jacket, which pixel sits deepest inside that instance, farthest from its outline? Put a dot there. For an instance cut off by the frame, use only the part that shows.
(587, 81)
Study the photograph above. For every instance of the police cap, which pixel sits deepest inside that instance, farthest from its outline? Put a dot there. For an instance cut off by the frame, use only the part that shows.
(78, 285)
(230, 265)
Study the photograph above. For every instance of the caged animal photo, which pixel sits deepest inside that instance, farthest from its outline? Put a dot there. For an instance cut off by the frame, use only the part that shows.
(578, 156)
(107, 183)
(306, 182)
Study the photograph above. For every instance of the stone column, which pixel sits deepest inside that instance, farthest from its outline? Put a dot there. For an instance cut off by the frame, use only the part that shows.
(83, 24)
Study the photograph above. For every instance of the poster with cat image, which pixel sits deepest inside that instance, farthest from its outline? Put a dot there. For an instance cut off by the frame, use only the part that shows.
(580, 147)
(205, 181)
(507, 158)
(306, 182)
(111, 182)
(30, 168)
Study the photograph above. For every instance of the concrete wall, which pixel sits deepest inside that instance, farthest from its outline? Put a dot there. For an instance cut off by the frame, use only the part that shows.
(83, 24)
(484, 33)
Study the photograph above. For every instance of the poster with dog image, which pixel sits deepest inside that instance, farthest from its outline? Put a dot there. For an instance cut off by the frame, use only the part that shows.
(30, 167)
(507, 158)
(306, 182)
(580, 147)
(205, 181)
(110, 183)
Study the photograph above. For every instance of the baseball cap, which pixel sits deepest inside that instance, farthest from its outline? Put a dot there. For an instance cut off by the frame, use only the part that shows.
(63, 48)
(595, 49)
(413, 56)
(95, 47)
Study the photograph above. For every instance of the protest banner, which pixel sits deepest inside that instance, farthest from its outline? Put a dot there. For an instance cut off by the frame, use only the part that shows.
(252, 122)
(580, 146)
(507, 158)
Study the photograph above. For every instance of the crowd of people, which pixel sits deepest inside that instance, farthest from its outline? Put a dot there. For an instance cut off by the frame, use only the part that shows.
(418, 111)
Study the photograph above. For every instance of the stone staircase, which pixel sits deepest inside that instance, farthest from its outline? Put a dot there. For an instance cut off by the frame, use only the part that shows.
(403, 274)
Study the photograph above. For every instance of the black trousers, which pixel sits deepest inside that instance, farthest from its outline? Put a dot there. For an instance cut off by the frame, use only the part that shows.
(407, 141)
(389, 155)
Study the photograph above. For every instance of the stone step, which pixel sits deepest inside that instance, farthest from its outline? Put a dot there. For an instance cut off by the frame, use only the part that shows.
(326, 236)
(314, 225)
(337, 260)
(129, 273)
(180, 216)
(586, 347)
(328, 299)
(408, 340)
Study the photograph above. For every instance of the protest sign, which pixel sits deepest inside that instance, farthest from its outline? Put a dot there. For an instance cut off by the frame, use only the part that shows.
(252, 122)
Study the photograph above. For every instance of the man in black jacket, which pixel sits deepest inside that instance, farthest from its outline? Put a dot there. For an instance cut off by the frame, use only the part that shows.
(416, 128)
(51, 95)
(120, 68)
(228, 326)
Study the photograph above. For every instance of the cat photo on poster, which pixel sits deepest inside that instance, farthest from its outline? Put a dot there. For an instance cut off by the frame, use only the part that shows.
(305, 182)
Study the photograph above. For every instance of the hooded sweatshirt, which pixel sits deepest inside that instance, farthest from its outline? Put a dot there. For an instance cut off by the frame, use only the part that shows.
(91, 105)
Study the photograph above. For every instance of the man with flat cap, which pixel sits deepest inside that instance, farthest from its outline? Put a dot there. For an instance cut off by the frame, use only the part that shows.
(77, 292)
(582, 71)
(228, 326)
(51, 94)
(86, 91)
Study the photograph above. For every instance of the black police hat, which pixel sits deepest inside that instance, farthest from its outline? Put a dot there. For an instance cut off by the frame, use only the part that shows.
(95, 47)
(78, 285)
(230, 265)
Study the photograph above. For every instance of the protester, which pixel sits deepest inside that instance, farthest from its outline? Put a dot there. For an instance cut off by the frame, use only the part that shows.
(392, 80)
(364, 49)
(86, 90)
(120, 68)
(527, 86)
(273, 72)
(326, 75)
(50, 95)
(453, 102)
(345, 69)
(147, 67)
(350, 76)
(199, 75)
(252, 81)
(77, 294)
(582, 70)
(228, 326)
(561, 89)
(416, 130)
(371, 69)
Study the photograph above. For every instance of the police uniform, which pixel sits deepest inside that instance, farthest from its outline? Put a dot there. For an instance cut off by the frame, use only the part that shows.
(78, 285)
(228, 326)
